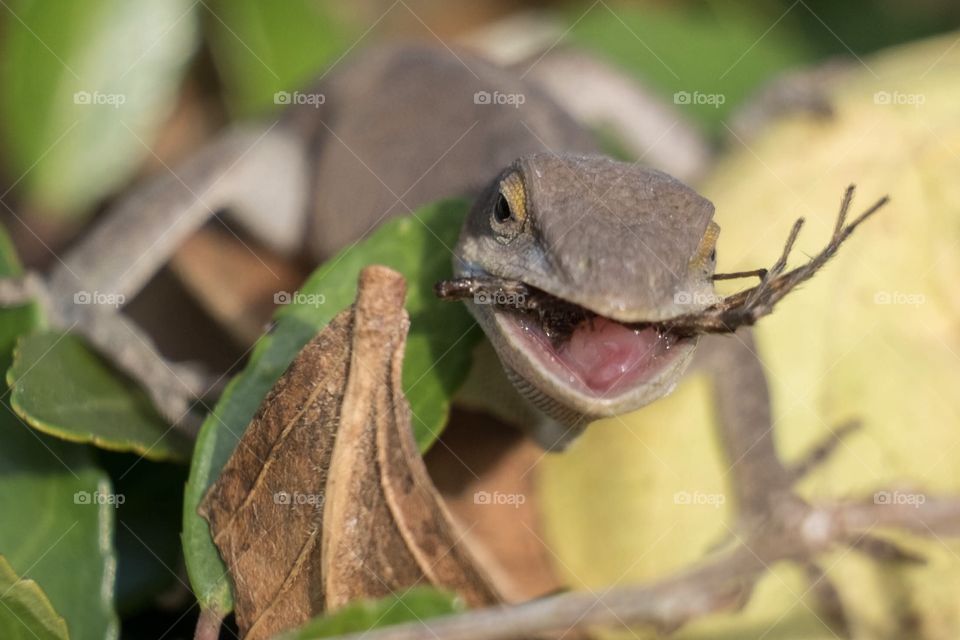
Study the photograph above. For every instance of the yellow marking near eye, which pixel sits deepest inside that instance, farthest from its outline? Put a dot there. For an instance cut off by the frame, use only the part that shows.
(516, 194)
(707, 244)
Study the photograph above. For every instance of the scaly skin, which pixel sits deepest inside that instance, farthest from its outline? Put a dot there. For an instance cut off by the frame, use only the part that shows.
(623, 241)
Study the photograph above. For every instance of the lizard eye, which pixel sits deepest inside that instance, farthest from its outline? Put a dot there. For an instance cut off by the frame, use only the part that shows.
(509, 208)
(501, 211)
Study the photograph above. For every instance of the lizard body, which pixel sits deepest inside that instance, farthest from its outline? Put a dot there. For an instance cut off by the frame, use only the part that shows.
(402, 126)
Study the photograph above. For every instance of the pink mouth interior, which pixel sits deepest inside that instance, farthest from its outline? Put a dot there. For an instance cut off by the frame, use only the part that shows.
(602, 355)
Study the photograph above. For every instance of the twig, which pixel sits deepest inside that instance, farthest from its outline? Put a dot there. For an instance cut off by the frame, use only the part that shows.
(736, 275)
(208, 625)
(823, 451)
(828, 601)
(669, 603)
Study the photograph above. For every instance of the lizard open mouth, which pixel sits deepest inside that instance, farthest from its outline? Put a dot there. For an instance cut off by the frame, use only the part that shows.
(589, 355)
(595, 354)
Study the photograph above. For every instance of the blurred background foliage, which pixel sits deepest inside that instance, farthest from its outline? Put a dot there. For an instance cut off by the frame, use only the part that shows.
(184, 70)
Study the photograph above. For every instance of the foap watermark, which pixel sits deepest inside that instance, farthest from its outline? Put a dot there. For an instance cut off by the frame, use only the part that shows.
(115, 300)
(714, 500)
(499, 498)
(98, 498)
(698, 97)
(697, 298)
(299, 97)
(97, 98)
(899, 298)
(296, 297)
(500, 298)
(297, 498)
(899, 98)
(899, 498)
(498, 97)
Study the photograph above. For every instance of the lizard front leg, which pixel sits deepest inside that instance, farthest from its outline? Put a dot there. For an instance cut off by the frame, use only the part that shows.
(763, 486)
(744, 415)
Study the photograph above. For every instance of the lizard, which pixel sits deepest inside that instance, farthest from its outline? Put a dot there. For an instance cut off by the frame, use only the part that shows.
(400, 126)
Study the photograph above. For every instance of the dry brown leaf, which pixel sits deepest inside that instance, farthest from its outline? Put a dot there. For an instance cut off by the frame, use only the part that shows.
(271, 545)
(326, 498)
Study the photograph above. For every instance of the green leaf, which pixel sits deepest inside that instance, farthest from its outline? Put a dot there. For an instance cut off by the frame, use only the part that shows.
(83, 88)
(438, 357)
(14, 322)
(25, 610)
(664, 46)
(419, 603)
(262, 48)
(57, 524)
(442, 334)
(62, 388)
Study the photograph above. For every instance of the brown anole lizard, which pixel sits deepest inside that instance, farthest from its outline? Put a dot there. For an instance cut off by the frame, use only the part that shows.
(398, 127)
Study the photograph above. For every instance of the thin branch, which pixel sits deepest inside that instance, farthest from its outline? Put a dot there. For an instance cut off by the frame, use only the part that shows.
(736, 275)
(669, 603)
(208, 625)
(822, 452)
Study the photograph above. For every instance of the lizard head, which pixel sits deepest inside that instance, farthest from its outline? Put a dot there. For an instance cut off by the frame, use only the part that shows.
(618, 243)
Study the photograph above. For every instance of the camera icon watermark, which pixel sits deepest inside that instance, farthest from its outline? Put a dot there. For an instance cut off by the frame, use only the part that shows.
(899, 498)
(696, 298)
(296, 498)
(96, 98)
(915, 100)
(500, 298)
(696, 97)
(296, 297)
(115, 300)
(299, 97)
(499, 98)
(99, 498)
(899, 298)
(499, 498)
(699, 498)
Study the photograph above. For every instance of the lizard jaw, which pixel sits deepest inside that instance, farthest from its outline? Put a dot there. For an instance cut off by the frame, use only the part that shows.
(604, 368)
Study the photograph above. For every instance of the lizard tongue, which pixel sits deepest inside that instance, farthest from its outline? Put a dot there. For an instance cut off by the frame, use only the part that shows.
(603, 353)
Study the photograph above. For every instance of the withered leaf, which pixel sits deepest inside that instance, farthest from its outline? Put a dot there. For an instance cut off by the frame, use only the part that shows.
(326, 498)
